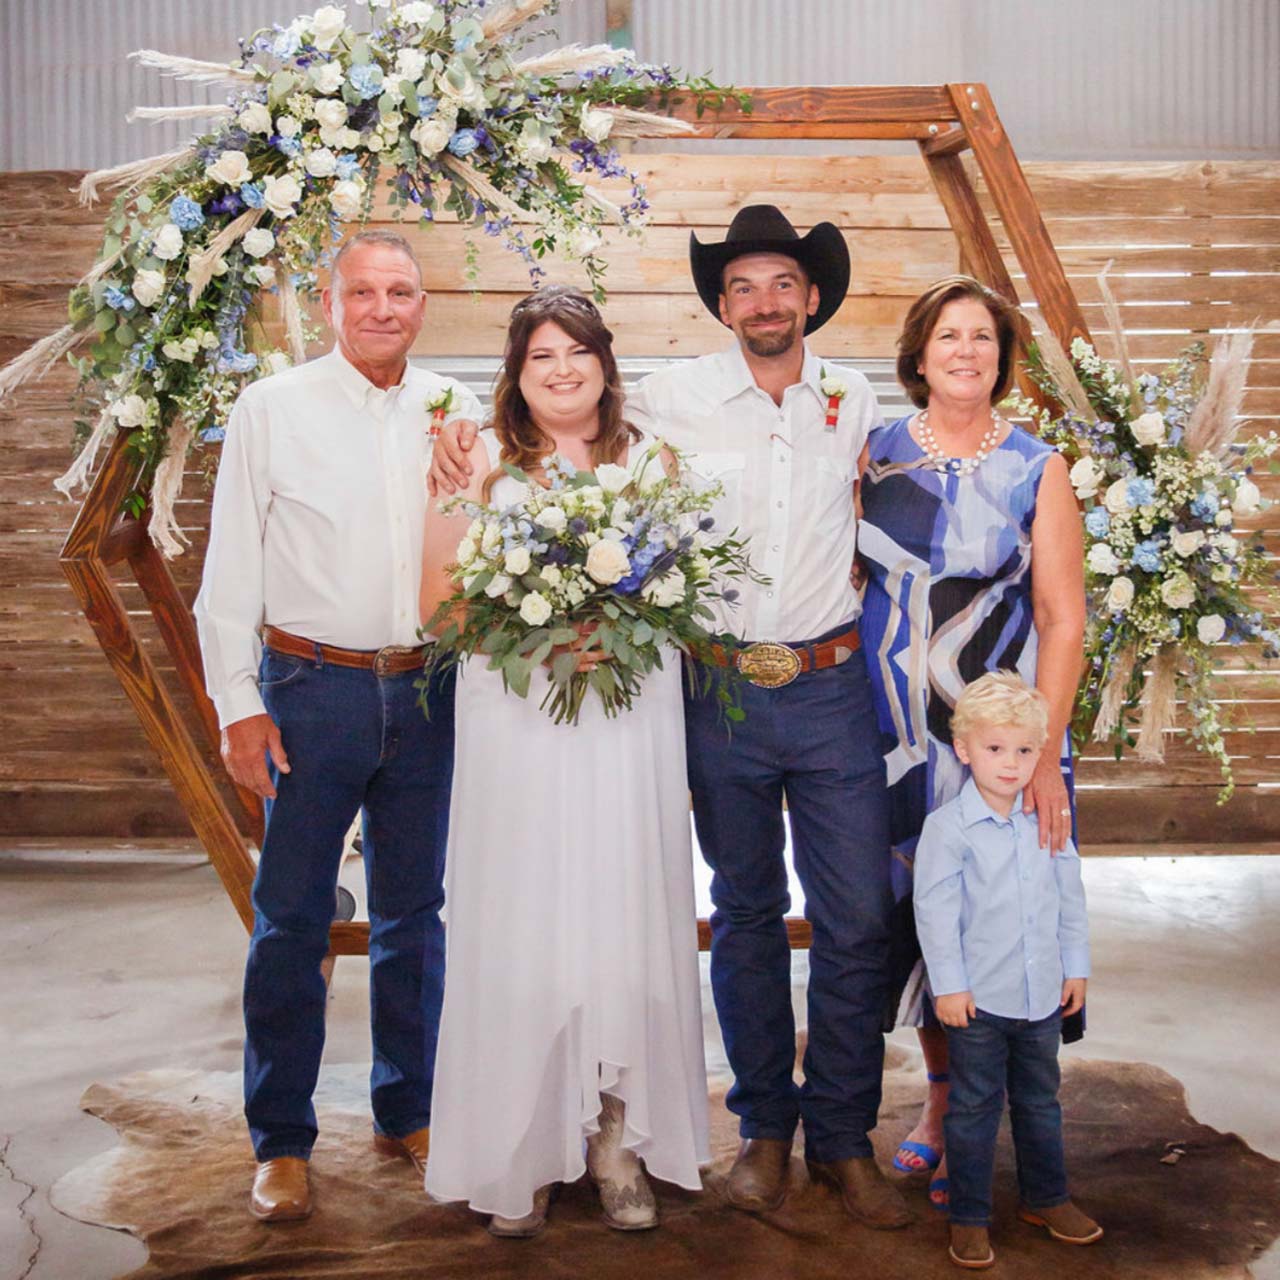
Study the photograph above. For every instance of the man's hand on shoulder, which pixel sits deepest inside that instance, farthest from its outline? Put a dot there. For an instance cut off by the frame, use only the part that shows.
(245, 746)
(451, 467)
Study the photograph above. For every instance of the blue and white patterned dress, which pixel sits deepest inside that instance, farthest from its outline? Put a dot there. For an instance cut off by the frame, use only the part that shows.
(948, 598)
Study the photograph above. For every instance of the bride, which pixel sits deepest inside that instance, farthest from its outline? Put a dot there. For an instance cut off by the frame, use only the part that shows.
(571, 1008)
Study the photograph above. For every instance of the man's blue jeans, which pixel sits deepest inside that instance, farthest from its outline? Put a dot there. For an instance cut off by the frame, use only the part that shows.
(815, 742)
(987, 1057)
(353, 739)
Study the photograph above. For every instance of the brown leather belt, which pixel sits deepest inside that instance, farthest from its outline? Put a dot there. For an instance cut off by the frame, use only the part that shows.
(393, 660)
(770, 664)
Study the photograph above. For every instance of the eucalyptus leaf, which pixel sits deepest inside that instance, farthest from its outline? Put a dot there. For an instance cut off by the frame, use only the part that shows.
(563, 666)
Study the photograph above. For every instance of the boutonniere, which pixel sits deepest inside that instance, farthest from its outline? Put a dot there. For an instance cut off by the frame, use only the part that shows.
(439, 409)
(835, 389)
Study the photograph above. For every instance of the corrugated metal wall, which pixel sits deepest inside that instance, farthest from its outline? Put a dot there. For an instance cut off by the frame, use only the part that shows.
(1088, 79)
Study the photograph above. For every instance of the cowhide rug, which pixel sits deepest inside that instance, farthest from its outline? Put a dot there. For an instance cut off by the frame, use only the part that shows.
(179, 1180)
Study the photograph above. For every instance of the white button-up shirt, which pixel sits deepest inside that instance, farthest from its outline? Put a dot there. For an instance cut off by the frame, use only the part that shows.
(317, 518)
(788, 481)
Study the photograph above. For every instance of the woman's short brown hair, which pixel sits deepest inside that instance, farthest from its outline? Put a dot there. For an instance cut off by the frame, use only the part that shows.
(921, 320)
(523, 443)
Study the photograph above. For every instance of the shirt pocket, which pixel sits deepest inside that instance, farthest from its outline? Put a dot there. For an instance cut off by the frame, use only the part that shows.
(727, 470)
(826, 490)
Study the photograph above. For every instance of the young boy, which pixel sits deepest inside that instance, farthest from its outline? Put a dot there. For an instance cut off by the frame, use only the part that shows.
(1005, 939)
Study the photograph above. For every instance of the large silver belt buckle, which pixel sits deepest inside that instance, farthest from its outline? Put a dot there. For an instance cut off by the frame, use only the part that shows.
(385, 656)
(768, 664)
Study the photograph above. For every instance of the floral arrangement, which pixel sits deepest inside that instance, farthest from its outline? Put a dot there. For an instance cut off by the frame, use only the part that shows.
(1170, 577)
(618, 562)
(435, 96)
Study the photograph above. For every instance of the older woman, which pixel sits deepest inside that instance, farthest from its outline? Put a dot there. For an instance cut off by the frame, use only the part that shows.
(973, 551)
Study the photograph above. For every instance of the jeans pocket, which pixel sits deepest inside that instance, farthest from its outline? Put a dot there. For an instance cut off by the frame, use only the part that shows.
(278, 669)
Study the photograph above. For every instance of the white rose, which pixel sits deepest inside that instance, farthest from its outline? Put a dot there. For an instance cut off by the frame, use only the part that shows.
(281, 194)
(596, 125)
(1226, 545)
(490, 539)
(551, 575)
(327, 24)
(1102, 559)
(535, 609)
(1247, 498)
(168, 242)
(666, 591)
(466, 551)
(1116, 499)
(517, 561)
(499, 585)
(612, 478)
(185, 350)
(258, 242)
(375, 142)
(432, 135)
(321, 163)
(410, 64)
(1085, 476)
(255, 118)
(533, 145)
(584, 241)
(130, 411)
(263, 275)
(148, 286)
(207, 338)
(1223, 518)
(459, 85)
(391, 122)
(1211, 628)
(326, 77)
(1149, 429)
(1188, 543)
(331, 113)
(288, 126)
(418, 11)
(607, 562)
(231, 169)
(551, 518)
(1178, 592)
(346, 198)
(277, 362)
(1120, 594)
(830, 386)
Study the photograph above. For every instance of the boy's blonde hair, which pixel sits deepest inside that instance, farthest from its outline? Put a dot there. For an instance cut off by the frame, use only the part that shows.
(1001, 698)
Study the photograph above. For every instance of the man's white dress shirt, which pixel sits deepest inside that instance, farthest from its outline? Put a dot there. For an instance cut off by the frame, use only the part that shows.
(788, 481)
(317, 518)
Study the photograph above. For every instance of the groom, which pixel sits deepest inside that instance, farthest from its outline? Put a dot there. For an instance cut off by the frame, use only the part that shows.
(784, 435)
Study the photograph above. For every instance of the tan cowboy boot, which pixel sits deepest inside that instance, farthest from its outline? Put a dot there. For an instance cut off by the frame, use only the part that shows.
(530, 1224)
(281, 1190)
(412, 1147)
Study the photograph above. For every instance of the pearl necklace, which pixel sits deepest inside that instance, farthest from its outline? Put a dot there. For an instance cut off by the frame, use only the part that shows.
(940, 461)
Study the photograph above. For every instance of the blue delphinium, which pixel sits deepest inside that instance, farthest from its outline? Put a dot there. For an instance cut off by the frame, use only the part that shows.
(1205, 505)
(1146, 555)
(213, 434)
(185, 213)
(366, 80)
(427, 107)
(463, 142)
(1098, 522)
(1140, 491)
(348, 166)
(286, 44)
(117, 299)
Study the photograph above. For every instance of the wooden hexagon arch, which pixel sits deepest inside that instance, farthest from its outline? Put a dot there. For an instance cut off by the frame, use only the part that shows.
(944, 120)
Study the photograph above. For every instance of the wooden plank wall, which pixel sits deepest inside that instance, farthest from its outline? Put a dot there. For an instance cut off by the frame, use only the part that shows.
(73, 762)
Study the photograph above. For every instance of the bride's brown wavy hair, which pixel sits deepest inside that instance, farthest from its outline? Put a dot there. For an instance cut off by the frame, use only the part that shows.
(521, 441)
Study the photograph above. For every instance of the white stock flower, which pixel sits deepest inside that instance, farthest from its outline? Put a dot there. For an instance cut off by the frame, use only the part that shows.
(254, 118)
(432, 135)
(327, 24)
(499, 585)
(466, 551)
(1211, 628)
(147, 286)
(551, 575)
(168, 242)
(665, 591)
(490, 538)
(410, 64)
(1120, 594)
(346, 198)
(551, 518)
(263, 275)
(1226, 545)
(321, 163)
(1149, 429)
(130, 411)
(258, 242)
(277, 362)
(331, 113)
(607, 562)
(1102, 559)
(534, 144)
(281, 195)
(462, 88)
(1223, 518)
(375, 142)
(535, 609)
(1116, 499)
(1178, 591)
(596, 125)
(184, 350)
(231, 169)
(1247, 498)
(584, 241)
(1188, 542)
(611, 477)
(517, 561)
(326, 77)
(288, 126)
(418, 11)
(1085, 477)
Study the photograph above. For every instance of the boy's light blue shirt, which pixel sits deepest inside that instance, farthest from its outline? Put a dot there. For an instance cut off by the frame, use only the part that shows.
(995, 914)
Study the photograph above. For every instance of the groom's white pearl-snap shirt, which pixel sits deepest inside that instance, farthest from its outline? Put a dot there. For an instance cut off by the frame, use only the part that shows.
(788, 481)
(317, 518)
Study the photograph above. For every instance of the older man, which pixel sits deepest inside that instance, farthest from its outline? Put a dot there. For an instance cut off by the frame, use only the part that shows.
(764, 419)
(308, 625)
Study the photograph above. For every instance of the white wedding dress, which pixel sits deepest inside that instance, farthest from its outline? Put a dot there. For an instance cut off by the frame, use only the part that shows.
(572, 946)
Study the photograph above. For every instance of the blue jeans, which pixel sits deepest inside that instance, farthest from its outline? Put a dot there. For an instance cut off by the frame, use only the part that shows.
(988, 1056)
(815, 742)
(353, 739)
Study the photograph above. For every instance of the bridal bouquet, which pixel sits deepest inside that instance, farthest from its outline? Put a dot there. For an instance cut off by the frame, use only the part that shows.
(1172, 579)
(618, 562)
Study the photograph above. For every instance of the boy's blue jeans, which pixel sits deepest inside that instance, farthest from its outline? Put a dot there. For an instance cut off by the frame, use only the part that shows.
(988, 1056)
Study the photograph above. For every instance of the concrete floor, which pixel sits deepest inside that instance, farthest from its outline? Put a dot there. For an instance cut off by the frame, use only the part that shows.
(117, 963)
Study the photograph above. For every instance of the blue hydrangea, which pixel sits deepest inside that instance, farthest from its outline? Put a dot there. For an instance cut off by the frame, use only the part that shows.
(1146, 555)
(366, 80)
(287, 146)
(1205, 506)
(117, 299)
(463, 142)
(231, 361)
(427, 106)
(1175, 625)
(1098, 522)
(212, 435)
(1140, 491)
(185, 213)
(253, 195)
(286, 44)
(348, 166)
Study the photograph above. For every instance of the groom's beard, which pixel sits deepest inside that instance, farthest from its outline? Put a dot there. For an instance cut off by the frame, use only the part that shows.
(772, 342)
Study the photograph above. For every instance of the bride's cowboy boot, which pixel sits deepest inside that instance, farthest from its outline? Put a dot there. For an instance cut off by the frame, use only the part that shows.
(625, 1195)
(530, 1224)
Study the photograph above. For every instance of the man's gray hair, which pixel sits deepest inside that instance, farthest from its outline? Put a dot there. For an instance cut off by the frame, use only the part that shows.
(377, 235)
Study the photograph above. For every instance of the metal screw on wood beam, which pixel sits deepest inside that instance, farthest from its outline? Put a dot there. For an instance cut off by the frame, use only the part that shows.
(933, 128)
(973, 106)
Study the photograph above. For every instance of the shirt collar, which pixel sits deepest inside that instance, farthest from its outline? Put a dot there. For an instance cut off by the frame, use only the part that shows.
(974, 809)
(356, 386)
(736, 376)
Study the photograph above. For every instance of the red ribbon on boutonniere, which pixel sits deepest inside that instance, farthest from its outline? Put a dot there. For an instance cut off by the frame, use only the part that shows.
(835, 389)
(439, 410)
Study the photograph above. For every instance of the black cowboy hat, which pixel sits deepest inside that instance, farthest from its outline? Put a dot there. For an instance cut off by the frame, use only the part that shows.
(763, 228)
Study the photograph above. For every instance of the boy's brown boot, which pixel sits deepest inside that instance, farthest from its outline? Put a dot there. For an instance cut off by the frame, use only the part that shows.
(971, 1248)
(1063, 1222)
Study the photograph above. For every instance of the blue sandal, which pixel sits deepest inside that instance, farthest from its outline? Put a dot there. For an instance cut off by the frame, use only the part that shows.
(932, 1156)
